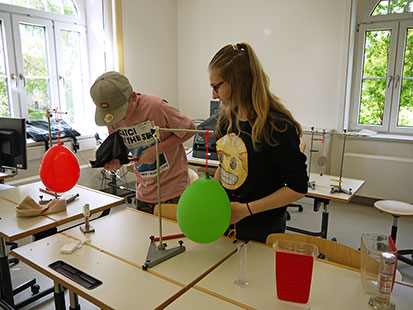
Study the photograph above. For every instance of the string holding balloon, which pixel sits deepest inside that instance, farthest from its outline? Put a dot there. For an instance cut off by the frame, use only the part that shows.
(204, 209)
(206, 152)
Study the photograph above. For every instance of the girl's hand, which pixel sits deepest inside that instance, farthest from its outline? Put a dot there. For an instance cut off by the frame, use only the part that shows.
(238, 211)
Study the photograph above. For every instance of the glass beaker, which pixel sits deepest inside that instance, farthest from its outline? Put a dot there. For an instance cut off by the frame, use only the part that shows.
(241, 281)
(372, 247)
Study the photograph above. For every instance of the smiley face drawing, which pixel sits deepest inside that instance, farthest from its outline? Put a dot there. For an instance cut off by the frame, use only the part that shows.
(233, 157)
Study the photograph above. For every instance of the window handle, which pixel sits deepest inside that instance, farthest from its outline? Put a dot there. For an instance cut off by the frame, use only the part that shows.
(397, 81)
(21, 77)
(63, 80)
(389, 82)
(14, 77)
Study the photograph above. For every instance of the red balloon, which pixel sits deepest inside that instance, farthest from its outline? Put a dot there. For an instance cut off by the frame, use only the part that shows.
(59, 169)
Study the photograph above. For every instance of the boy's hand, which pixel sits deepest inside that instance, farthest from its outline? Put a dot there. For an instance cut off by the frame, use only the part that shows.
(148, 156)
(114, 164)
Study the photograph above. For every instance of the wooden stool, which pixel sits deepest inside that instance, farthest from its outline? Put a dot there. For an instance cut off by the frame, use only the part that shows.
(396, 209)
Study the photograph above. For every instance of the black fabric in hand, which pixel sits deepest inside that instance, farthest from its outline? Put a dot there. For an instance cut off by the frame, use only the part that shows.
(112, 148)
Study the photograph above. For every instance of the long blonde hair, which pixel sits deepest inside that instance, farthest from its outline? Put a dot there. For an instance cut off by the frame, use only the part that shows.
(239, 66)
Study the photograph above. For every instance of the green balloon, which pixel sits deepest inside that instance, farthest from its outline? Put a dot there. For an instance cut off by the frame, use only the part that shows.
(204, 210)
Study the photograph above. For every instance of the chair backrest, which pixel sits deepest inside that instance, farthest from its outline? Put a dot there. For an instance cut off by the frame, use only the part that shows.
(193, 176)
(333, 251)
(168, 210)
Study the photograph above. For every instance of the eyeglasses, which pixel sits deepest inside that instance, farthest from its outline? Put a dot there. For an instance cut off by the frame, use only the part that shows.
(217, 86)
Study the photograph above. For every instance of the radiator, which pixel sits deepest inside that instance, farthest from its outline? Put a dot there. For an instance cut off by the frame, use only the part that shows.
(387, 177)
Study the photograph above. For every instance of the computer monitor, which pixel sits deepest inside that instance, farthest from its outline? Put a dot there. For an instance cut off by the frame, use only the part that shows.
(214, 107)
(13, 148)
(199, 145)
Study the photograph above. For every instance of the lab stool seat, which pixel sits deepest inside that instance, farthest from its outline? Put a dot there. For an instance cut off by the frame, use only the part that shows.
(396, 209)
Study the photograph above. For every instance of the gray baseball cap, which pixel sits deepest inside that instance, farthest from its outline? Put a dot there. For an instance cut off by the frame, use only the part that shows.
(110, 93)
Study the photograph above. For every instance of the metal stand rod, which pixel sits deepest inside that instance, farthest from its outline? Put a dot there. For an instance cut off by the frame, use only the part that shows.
(158, 254)
(48, 115)
(158, 179)
(339, 188)
(342, 155)
(311, 153)
(49, 127)
(310, 183)
(322, 158)
(184, 130)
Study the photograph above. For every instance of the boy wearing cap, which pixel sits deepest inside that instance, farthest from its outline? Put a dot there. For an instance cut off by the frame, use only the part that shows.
(133, 116)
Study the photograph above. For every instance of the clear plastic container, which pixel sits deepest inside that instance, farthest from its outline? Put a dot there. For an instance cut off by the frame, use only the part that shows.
(372, 247)
(293, 269)
(296, 247)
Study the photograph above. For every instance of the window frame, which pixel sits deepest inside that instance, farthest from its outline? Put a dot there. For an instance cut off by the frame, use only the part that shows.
(359, 75)
(8, 8)
(51, 60)
(11, 16)
(366, 16)
(398, 71)
(84, 58)
(398, 24)
(10, 63)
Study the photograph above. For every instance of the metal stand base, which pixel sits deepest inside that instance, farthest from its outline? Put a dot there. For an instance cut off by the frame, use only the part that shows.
(340, 190)
(87, 229)
(311, 184)
(157, 254)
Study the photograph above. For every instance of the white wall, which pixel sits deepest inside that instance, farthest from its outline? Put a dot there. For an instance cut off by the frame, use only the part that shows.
(300, 43)
(150, 40)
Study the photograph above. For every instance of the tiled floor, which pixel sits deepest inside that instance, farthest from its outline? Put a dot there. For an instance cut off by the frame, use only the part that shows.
(346, 223)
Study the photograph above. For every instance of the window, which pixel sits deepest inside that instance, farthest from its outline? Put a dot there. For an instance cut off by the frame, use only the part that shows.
(43, 60)
(383, 84)
(386, 7)
(65, 7)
